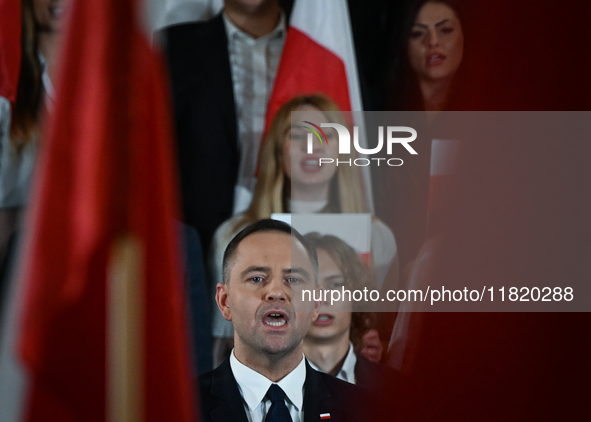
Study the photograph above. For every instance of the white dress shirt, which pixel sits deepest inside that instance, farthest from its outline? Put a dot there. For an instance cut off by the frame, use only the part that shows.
(254, 386)
(347, 370)
(254, 63)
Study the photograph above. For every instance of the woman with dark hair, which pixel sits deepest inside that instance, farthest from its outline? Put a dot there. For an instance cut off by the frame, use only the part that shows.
(19, 126)
(431, 51)
(334, 342)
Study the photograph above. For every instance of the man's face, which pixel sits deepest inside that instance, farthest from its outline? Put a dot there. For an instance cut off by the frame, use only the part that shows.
(266, 276)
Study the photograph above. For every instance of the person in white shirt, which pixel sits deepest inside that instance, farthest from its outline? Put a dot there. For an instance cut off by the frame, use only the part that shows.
(266, 266)
(256, 34)
(222, 72)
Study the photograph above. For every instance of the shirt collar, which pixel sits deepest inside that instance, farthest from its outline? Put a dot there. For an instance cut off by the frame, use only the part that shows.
(254, 386)
(232, 30)
(347, 371)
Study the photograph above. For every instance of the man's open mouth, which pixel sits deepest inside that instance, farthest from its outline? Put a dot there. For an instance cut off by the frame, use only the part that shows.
(275, 319)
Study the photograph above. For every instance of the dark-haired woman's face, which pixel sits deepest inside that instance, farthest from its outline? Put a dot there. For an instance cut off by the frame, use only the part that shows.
(435, 43)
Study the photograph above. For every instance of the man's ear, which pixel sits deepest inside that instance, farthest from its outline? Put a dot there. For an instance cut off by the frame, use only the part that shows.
(221, 297)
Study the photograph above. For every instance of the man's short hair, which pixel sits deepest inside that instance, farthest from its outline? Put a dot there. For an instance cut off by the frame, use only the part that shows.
(263, 226)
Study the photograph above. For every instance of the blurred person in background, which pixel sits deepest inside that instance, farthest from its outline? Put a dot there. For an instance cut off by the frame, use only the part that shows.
(431, 52)
(292, 181)
(425, 78)
(335, 339)
(20, 126)
(222, 72)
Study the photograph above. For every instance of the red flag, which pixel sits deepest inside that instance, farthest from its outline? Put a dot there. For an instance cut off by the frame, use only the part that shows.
(103, 227)
(10, 47)
(318, 57)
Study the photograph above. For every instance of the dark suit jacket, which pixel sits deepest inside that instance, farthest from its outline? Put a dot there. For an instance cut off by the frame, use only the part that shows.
(205, 121)
(221, 400)
(378, 379)
(199, 300)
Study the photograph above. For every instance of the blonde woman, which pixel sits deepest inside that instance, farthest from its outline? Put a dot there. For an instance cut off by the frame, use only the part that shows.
(291, 181)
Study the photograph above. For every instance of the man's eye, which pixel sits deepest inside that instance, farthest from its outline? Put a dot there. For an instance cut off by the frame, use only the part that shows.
(293, 280)
(447, 30)
(256, 279)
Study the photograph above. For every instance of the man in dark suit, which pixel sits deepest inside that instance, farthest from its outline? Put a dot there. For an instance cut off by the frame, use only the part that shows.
(221, 75)
(266, 378)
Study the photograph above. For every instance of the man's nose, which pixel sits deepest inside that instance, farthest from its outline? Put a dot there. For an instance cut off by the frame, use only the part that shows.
(277, 290)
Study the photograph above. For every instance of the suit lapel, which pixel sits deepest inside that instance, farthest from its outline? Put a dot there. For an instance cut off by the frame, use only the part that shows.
(363, 371)
(316, 393)
(230, 407)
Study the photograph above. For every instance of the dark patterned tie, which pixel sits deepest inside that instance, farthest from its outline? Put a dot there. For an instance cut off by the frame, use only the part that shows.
(278, 411)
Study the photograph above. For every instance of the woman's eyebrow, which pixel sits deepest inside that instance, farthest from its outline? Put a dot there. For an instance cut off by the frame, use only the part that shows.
(424, 25)
(442, 22)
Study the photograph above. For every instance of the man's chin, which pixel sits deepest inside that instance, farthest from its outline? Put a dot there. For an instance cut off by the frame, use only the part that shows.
(279, 348)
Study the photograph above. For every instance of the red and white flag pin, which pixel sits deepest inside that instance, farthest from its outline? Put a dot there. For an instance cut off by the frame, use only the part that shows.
(324, 416)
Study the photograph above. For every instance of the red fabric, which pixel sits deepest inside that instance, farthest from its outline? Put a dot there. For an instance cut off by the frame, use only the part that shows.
(10, 47)
(106, 170)
(439, 186)
(307, 67)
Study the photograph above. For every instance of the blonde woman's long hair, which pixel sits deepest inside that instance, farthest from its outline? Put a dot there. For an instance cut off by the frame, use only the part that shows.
(272, 190)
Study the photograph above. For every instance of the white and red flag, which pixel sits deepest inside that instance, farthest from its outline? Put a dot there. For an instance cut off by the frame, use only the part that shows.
(318, 57)
(97, 329)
